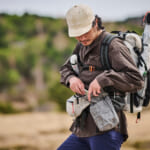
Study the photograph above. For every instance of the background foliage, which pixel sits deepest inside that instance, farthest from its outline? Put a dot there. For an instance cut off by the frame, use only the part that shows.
(32, 49)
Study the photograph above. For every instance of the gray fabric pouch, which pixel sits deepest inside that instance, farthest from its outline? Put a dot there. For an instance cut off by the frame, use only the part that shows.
(104, 114)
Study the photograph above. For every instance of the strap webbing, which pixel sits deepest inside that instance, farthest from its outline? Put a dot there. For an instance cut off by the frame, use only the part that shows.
(104, 50)
(131, 102)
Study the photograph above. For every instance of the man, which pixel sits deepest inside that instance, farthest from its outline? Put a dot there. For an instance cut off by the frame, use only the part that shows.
(124, 77)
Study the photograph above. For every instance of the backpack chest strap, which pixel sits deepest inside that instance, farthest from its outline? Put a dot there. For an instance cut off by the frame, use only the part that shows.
(91, 68)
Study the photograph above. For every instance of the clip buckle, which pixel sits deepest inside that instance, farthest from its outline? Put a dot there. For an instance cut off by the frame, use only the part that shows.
(91, 68)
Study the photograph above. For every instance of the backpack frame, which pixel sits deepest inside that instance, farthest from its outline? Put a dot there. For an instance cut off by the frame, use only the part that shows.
(134, 98)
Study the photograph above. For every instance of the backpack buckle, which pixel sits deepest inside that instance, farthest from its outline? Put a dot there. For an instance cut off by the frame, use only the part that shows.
(91, 68)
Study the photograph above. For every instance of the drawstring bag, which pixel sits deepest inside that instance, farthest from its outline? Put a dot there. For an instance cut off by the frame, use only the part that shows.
(104, 114)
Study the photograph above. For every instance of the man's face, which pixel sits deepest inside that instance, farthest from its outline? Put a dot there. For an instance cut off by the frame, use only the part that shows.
(87, 38)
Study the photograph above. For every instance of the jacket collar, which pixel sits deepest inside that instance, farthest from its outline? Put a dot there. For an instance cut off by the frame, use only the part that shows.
(95, 43)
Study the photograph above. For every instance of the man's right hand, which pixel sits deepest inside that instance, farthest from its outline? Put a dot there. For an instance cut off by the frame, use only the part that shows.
(76, 85)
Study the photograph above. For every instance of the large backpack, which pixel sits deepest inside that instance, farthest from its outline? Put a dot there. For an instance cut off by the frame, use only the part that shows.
(134, 101)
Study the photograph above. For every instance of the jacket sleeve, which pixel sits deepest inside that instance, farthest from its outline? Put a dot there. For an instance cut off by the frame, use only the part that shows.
(124, 76)
(66, 70)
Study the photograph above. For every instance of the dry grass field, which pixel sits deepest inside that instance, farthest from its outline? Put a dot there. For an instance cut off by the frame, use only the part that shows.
(46, 131)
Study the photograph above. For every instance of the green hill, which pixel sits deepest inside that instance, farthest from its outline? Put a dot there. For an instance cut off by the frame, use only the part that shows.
(32, 49)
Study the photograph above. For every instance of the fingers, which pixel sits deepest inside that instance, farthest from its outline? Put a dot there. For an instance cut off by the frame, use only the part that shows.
(81, 89)
(94, 92)
(94, 89)
(78, 89)
(77, 86)
(89, 94)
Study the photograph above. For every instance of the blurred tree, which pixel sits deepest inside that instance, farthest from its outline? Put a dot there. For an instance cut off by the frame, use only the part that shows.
(3, 32)
(60, 94)
(32, 49)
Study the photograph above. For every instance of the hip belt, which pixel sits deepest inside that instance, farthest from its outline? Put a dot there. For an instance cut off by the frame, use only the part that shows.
(101, 109)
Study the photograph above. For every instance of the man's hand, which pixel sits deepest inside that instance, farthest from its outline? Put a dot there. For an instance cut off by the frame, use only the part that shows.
(94, 89)
(76, 85)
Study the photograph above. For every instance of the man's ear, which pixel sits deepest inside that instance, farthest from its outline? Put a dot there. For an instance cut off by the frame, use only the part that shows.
(96, 24)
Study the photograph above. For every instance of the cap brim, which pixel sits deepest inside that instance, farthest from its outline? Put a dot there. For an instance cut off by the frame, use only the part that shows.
(75, 32)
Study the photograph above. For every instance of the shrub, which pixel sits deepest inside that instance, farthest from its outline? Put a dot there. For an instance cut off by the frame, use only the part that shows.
(6, 108)
(59, 94)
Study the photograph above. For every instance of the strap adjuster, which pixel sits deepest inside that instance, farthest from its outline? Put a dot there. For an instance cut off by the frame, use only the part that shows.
(91, 68)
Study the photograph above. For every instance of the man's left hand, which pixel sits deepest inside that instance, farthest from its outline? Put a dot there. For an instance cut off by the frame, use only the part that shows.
(94, 89)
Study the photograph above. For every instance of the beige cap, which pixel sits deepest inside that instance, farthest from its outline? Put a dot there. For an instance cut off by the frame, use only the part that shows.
(79, 19)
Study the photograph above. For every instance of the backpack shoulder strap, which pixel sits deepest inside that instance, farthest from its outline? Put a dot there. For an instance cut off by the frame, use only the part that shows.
(104, 50)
